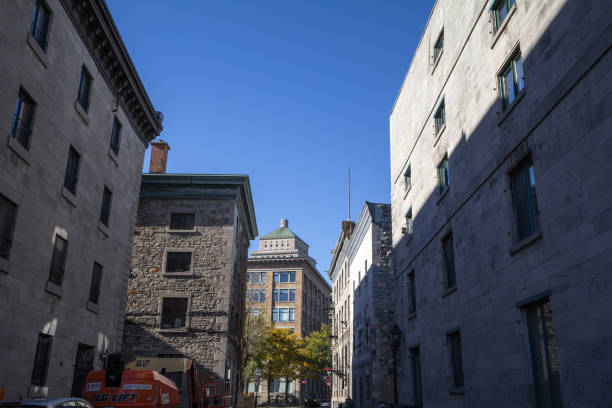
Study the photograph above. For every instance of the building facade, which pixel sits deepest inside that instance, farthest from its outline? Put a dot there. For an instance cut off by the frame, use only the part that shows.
(77, 121)
(187, 282)
(362, 274)
(501, 206)
(284, 283)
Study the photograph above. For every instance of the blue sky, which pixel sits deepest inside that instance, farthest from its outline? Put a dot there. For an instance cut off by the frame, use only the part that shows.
(292, 93)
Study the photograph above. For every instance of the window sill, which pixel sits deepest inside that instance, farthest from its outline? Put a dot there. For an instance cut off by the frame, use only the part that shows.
(82, 112)
(71, 198)
(411, 316)
(104, 228)
(436, 62)
(443, 194)
(438, 135)
(188, 274)
(503, 115)
(92, 307)
(456, 390)
(503, 26)
(114, 157)
(19, 150)
(528, 240)
(4, 265)
(178, 231)
(38, 51)
(174, 330)
(54, 289)
(448, 291)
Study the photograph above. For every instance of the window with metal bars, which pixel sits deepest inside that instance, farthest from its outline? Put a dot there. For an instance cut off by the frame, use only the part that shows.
(96, 283)
(174, 313)
(522, 183)
(72, 170)
(107, 197)
(21, 129)
(84, 89)
(182, 221)
(40, 24)
(41, 359)
(449, 261)
(178, 261)
(115, 136)
(511, 80)
(454, 342)
(8, 214)
(58, 260)
(443, 174)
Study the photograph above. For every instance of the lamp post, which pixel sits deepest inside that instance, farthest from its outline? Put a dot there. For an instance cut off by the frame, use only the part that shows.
(396, 335)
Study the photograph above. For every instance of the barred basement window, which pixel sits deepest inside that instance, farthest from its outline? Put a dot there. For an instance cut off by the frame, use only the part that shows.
(40, 24)
(72, 170)
(84, 89)
(178, 261)
(182, 221)
(8, 215)
(96, 282)
(107, 197)
(58, 260)
(41, 359)
(21, 130)
(115, 136)
(174, 313)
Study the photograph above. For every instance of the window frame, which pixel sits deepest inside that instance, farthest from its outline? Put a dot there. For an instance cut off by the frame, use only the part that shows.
(407, 178)
(412, 303)
(20, 130)
(168, 273)
(95, 286)
(57, 268)
(409, 220)
(456, 376)
(6, 237)
(84, 103)
(41, 363)
(439, 118)
(519, 241)
(73, 166)
(115, 141)
(160, 314)
(181, 213)
(443, 174)
(518, 85)
(105, 210)
(497, 22)
(449, 284)
(438, 48)
(43, 39)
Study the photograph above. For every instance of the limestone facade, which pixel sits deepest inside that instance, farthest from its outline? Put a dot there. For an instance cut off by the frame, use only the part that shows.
(70, 315)
(501, 207)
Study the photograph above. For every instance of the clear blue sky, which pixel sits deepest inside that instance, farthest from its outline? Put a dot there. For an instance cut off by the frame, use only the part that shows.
(291, 93)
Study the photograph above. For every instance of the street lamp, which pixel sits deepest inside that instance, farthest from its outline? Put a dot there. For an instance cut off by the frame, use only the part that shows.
(396, 335)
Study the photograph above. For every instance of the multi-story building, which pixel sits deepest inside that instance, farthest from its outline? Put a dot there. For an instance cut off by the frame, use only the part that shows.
(361, 271)
(501, 204)
(77, 121)
(189, 260)
(284, 283)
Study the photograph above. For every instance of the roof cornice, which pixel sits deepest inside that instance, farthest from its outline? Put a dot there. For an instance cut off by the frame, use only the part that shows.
(95, 25)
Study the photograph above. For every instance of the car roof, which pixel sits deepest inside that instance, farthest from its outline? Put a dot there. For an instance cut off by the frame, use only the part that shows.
(44, 402)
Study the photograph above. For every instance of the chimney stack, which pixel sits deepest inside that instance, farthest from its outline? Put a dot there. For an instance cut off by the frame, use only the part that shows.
(347, 227)
(159, 156)
(284, 223)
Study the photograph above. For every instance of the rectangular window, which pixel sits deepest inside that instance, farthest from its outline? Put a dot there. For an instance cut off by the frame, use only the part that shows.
(21, 130)
(291, 276)
(182, 221)
(275, 314)
(292, 295)
(283, 314)
(411, 293)
(178, 262)
(440, 117)
(449, 261)
(262, 295)
(407, 178)
(115, 136)
(543, 350)
(41, 359)
(263, 277)
(275, 295)
(107, 197)
(72, 170)
(254, 278)
(500, 10)
(511, 80)
(438, 47)
(58, 260)
(8, 214)
(174, 313)
(417, 390)
(443, 174)
(522, 183)
(454, 342)
(84, 89)
(40, 24)
(276, 277)
(283, 295)
(96, 282)
(409, 225)
(291, 314)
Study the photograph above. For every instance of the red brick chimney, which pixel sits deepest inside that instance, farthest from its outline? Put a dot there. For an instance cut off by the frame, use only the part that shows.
(159, 156)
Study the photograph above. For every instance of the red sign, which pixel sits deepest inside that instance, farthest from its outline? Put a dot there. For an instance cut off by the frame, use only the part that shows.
(304, 381)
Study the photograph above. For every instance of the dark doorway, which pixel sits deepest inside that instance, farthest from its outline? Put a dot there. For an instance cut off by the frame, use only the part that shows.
(83, 365)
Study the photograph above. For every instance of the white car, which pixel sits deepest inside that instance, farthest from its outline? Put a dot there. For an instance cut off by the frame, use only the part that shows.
(69, 402)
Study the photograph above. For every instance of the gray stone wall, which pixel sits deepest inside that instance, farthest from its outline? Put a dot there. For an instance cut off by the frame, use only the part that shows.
(560, 121)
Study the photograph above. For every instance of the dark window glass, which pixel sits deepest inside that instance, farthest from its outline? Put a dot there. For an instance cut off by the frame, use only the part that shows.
(21, 130)
(40, 24)
(178, 261)
(407, 177)
(8, 213)
(262, 295)
(440, 117)
(543, 350)
(82, 366)
(275, 314)
(275, 295)
(276, 276)
(284, 295)
(58, 260)
(179, 221)
(115, 136)
(443, 174)
(41, 359)
(412, 293)
(96, 282)
(291, 314)
(107, 197)
(522, 181)
(292, 295)
(291, 276)
(263, 277)
(72, 170)
(454, 340)
(511, 80)
(415, 358)
(84, 89)
(500, 11)
(174, 313)
(449, 261)
(438, 47)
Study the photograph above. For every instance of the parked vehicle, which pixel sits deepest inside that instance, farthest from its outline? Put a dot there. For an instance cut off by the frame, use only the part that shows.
(48, 403)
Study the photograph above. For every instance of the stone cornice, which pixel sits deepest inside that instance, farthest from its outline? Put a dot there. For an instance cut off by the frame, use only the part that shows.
(95, 25)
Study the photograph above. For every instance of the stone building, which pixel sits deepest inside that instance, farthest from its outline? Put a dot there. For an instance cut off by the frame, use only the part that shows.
(187, 282)
(362, 275)
(501, 207)
(76, 121)
(284, 283)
